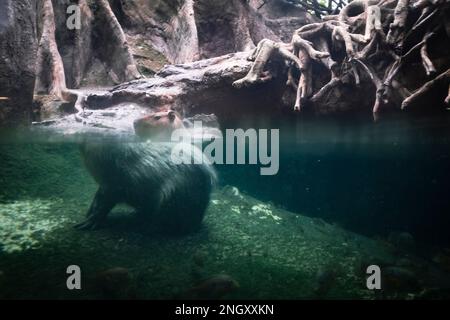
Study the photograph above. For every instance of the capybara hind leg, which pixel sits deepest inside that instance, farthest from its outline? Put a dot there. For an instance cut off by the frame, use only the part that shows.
(102, 204)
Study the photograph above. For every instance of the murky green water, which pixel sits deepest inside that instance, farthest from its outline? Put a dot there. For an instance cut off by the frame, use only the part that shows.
(307, 232)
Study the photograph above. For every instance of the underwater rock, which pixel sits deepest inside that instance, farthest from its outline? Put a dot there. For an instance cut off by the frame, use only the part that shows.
(213, 288)
(25, 224)
(442, 259)
(404, 262)
(199, 258)
(433, 294)
(264, 211)
(402, 240)
(162, 183)
(198, 268)
(399, 279)
(364, 262)
(115, 283)
(232, 191)
(320, 222)
(325, 280)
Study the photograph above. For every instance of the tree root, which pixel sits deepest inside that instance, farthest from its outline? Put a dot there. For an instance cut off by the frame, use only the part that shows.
(307, 46)
(328, 61)
(373, 22)
(353, 9)
(447, 99)
(426, 61)
(261, 55)
(326, 89)
(340, 34)
(114, 53)
(122, 66)
(305, 83)
(378, 56)
(396, 33)
(442, 80)
(50, 77)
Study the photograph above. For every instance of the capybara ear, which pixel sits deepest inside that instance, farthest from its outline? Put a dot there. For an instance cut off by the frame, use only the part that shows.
(172, 115)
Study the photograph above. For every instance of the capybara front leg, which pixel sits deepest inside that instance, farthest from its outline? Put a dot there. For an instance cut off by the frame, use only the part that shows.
(102, 204)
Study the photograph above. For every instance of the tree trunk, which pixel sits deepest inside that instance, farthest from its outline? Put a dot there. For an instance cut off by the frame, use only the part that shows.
(50, 76)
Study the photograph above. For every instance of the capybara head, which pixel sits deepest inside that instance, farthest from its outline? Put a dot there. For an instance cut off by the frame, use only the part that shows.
(158, 126)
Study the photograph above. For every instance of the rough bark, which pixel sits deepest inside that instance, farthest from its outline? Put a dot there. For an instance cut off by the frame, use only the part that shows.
(50, 76)
(438, 86)
(118, 58)
(396, 33)
(304, 85)
(261, 55)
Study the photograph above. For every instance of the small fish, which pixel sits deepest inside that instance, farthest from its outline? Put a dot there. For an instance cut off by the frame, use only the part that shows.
(213, 288)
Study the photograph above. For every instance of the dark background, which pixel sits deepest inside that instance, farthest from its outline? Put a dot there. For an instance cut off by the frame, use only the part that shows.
(370, 177)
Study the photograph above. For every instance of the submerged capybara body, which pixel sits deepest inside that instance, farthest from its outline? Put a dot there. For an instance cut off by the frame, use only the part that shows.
(168, 188)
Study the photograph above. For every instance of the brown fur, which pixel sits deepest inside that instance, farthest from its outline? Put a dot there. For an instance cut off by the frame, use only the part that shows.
(158, 126)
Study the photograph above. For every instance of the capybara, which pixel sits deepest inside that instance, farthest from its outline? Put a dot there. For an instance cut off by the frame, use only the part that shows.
(158, 126)
(167, 186)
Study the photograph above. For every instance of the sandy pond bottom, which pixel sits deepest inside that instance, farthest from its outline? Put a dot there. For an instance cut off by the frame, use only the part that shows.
(270, 252)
